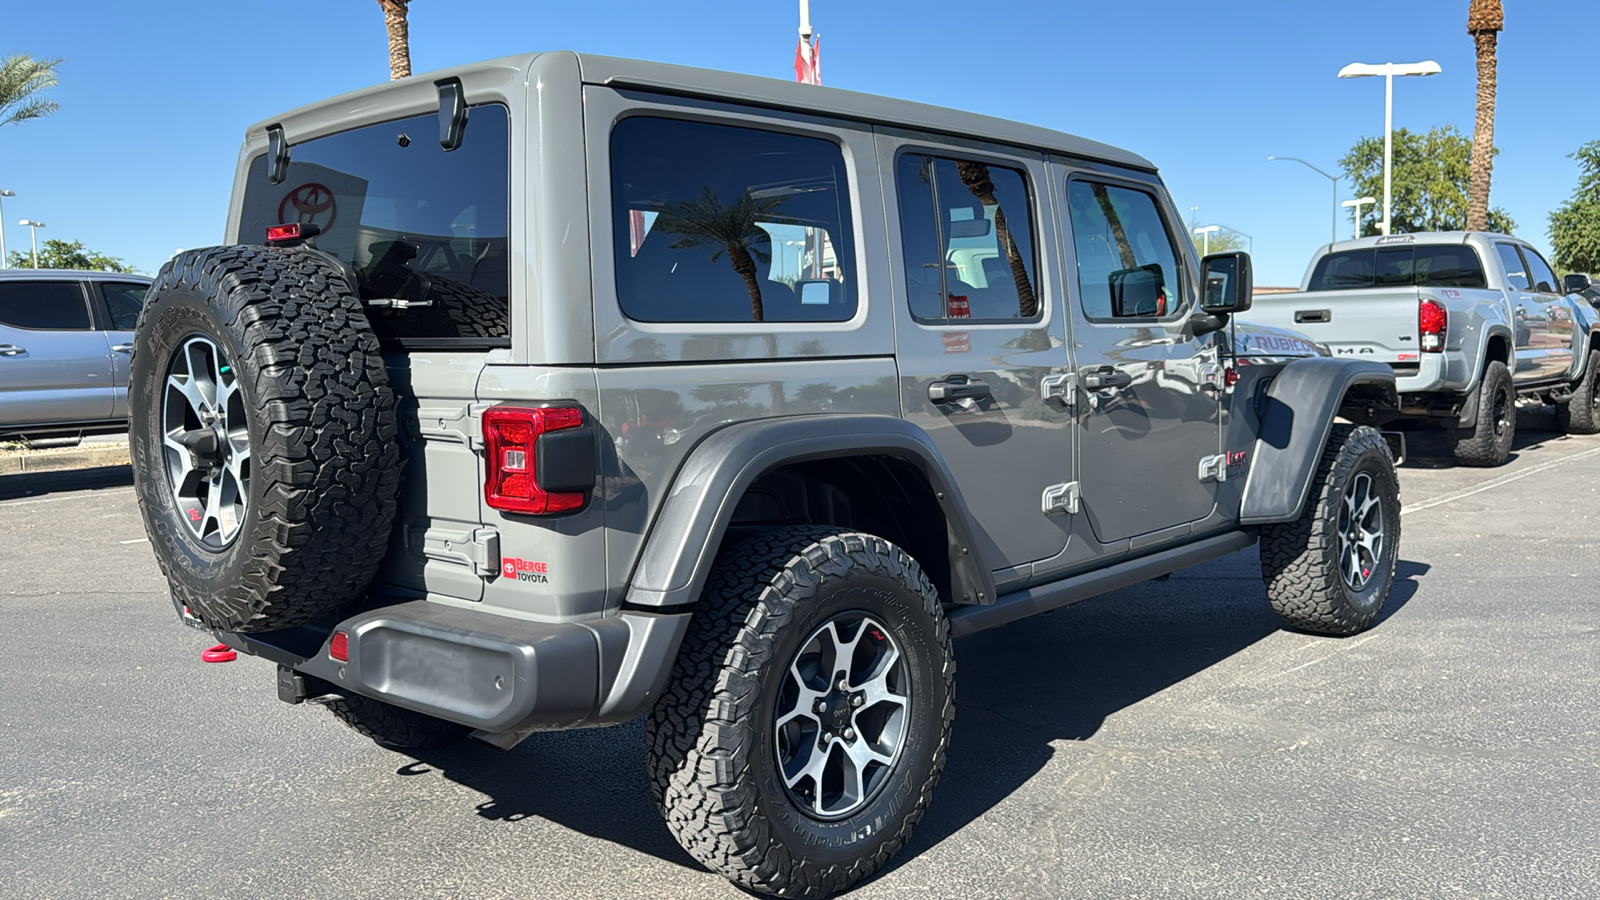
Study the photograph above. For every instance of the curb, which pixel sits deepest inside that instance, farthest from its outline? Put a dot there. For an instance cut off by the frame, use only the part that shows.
(76, 458)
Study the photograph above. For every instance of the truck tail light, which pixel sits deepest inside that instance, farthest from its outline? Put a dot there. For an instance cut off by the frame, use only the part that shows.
(540, 461)
(1432, 321)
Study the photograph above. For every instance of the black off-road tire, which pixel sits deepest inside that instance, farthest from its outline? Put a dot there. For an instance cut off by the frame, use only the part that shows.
(712, 760)
(1580, 414)
(394, 726)
(1300, 560)
(321, 423)
(1488, 443)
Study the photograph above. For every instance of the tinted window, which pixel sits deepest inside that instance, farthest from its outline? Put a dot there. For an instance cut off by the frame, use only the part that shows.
(1516, 275)
(44, 305)
(968, 239)
(123, 302)
(1543, 278)
(1423, 266)
(416, 222)
(1127, 264)
(713, 223)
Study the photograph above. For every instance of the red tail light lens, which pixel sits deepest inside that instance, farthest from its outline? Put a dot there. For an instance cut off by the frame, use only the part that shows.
(1432, 321)
(511, 445)
(339, 647)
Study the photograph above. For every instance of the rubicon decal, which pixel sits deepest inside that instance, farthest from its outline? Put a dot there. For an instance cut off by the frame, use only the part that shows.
(525, 570)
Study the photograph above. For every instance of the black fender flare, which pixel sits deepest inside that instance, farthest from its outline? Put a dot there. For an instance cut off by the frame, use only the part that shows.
(1296, 416)
(683, 539)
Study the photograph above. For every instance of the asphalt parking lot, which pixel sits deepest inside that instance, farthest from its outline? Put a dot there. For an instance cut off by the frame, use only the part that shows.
(1168, 740)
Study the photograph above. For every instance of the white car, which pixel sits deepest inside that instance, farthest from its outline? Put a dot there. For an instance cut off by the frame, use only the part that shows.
(65, 338)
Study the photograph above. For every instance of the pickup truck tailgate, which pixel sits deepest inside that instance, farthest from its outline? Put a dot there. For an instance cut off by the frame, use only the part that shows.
(1378, 324)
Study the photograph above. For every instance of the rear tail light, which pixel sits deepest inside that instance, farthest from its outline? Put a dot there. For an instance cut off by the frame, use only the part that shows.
(339, 647)
(1432, 321)
(540, 461)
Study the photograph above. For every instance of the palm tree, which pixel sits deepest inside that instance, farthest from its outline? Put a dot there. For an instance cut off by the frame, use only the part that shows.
(731, 229)
(1485, 19)
(394, 16)
(21, 77)
(975, 176)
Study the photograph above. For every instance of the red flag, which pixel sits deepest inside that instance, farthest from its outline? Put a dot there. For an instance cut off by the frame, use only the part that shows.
(816, 60)
(805, 62)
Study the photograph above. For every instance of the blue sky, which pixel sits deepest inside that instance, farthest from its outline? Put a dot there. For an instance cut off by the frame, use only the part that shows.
(156, 96)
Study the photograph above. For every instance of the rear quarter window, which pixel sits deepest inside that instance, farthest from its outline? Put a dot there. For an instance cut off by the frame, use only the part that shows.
(44, 306)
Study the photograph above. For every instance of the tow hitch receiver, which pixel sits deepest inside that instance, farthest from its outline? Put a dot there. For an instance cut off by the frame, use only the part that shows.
(298, 687)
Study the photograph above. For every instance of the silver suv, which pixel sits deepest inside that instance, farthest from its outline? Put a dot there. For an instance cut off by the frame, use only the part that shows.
(65, 337)
(560, 390)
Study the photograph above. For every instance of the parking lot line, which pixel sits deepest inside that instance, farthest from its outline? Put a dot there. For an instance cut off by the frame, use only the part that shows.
(1496, 482)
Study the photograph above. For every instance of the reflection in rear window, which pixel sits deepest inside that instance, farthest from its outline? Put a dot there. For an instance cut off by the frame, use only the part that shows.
(713, 223)
(1437, 265)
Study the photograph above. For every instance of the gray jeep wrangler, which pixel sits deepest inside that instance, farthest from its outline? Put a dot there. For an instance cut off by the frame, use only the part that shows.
(558, 390)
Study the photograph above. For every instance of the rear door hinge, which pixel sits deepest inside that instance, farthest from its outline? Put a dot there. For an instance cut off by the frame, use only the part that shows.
(478, 549)
(1060, 390)
(1061, 498)
(1214, 468)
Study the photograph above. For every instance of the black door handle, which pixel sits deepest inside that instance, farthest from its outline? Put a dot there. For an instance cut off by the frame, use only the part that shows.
(1111, 378)
(957, 387)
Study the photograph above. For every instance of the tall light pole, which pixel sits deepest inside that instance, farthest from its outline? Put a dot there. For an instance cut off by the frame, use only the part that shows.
(3, 195)
(1388, 71)
(1355, 217)
(1333, 223)
(34, 227)
(1206, 232)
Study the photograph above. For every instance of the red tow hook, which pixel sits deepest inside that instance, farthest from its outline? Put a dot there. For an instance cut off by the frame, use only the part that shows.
(219, 653)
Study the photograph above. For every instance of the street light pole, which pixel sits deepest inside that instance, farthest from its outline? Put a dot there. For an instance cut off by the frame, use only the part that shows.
(1355, 216)
(3, 195)
(34, 227)
(1206, 237)
(1333, 223)
(1388, 71)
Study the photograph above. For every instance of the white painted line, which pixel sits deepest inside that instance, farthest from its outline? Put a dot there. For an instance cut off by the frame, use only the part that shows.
(135, 541)
(1342, 648)
(78, 495)
(1497, 482)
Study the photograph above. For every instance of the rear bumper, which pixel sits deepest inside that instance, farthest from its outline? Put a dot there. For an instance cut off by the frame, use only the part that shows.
(488, 671)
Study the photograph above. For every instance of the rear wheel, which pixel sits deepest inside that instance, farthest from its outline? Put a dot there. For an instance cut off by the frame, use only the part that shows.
(805, 726)
(1580, 414)
(1488, 443)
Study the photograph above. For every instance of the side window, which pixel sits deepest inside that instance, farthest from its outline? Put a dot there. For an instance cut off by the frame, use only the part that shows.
(1516, 274)
(1544, 280)
(968, 239)
(716, 223)
(44, 305)
(1343, 271)
(1127, 264)
(123, 301)
(1448, 266)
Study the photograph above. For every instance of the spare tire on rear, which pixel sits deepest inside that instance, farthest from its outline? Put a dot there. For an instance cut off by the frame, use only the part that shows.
(263, 436)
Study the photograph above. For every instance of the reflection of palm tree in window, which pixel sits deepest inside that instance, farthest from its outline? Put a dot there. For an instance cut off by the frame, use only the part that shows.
(731, 229)
(976, 178)
(1124, 249)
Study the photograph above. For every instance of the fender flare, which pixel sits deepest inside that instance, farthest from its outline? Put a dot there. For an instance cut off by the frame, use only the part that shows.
(682, 542)
(1469, 401)
(1296, 416)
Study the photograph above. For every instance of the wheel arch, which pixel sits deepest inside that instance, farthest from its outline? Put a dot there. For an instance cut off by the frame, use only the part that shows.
(809, 461)
(1297, 414)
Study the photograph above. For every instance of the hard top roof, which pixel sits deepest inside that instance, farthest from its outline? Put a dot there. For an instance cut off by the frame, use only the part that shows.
(745, 89)
(69, 275)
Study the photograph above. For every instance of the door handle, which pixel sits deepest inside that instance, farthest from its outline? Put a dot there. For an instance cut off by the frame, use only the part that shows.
(1109, 378)
(958, 387)
(11, 350)
(122, 348)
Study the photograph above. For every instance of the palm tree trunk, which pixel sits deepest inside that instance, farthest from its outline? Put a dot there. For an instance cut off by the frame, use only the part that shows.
(1124, 249)
(745, 265)
(1482, 134)
(394, 17)
(975, 176)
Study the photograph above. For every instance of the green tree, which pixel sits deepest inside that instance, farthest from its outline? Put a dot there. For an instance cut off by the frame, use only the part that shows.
(68, 255)
(1575, 224)
(1431, 176)
(21, 78)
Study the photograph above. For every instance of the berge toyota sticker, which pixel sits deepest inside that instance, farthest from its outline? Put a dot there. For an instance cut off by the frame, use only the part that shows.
(525, 570)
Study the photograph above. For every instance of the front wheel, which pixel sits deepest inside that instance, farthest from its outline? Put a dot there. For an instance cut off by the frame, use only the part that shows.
(805, 726)
(1330, 570)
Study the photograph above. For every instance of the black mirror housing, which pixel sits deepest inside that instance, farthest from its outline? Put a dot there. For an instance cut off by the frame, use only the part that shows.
(1576, 283)
(1226, 282)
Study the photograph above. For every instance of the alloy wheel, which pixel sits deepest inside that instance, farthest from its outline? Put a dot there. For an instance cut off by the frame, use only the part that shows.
(1360, 531)
(206, 442)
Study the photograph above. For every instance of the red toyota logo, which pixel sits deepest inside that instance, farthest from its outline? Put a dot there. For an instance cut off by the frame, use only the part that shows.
(309, 204)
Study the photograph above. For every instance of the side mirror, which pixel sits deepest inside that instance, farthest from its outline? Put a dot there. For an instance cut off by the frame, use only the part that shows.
(1226, 282)
(1575, 284)
(1138, 293)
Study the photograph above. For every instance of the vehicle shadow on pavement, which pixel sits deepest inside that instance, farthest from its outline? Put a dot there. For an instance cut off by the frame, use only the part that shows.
(1019, 690)
(1429, 448)
(38, 484)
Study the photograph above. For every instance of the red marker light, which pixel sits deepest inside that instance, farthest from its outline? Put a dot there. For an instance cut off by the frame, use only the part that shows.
(339, 647)
(292, 232)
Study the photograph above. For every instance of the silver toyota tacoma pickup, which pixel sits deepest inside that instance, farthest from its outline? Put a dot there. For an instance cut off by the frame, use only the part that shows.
(559, 391)
(1471, 324)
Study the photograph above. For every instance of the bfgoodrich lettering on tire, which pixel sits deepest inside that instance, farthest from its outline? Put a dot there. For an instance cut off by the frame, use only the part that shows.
(263, 436)
(805, 726)
(1330, 570)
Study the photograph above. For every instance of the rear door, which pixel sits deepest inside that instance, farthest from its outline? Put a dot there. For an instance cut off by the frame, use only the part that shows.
(1541, 352)
(1556, 311)
(54, 364)
(121, 301)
